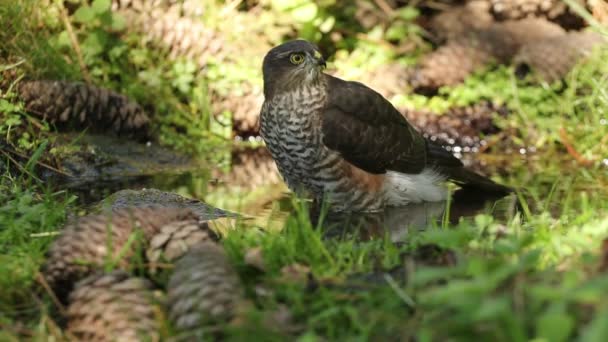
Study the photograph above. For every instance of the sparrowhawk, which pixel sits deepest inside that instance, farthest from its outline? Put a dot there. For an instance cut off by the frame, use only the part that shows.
(343, 142)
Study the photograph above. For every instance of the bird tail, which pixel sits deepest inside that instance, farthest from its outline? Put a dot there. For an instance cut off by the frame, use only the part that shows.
(470, 180)
(454, 170)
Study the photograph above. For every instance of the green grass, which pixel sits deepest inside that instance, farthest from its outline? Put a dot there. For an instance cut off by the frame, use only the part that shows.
(526, 278)
(30, 215)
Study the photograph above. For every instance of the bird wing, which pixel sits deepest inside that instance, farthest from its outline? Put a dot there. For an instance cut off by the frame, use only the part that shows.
(370, 133)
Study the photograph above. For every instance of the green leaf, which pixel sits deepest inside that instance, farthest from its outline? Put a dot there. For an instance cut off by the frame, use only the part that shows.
(118, 22)
(396, 32)
(555, 326)
(327, 24)
(101, 6)
(491, 309)
(597, 330)
(305, 13)
(95, 43)
(63, 40)
(36, 156)
(408, 13)
(84, 14)
(7, 107)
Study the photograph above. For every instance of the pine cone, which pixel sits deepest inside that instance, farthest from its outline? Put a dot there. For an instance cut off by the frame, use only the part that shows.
(175, 239)
(251, 168)
(458, 20)
(140, 5)
(89, 242)
(387, 79)
(448, 65)
(506, 38)
(112, 307)
(555, 10)
(183, 37)
(186, 37)
(461, 126)
(551, 59)
(78, 105)
(191, 8)
(244, 107)
(460, 57)
(203, 289)
(518, 9)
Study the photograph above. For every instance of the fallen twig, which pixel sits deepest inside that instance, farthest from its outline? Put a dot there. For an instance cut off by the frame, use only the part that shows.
(39, 163)
(18, 165)
(75, 45)
(385, 7)
(565, 140)
(40, 279)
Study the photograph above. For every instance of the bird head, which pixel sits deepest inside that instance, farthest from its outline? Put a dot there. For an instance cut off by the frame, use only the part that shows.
(291, 65)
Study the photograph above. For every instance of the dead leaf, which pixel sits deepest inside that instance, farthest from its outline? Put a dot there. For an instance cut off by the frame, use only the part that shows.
(254, 257)
(295, 272)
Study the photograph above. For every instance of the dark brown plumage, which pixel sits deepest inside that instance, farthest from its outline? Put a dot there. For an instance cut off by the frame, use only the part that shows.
(345, 142)
(375, 143)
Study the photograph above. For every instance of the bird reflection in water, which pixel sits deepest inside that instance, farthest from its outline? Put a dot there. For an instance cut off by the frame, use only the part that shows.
(397, 222)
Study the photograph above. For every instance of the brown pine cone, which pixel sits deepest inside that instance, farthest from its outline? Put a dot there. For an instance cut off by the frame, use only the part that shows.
(112, 307)
(192, 8)
(551, 59)
(506, 38)
(460, 57)
(250, 168)
(175, 239)
(89, 242)
(203, 289)
(244, 106)
(518, 9)
(448, 65)
(78, 105)
(554, 10)
(183, 37)
(139, 5)
(460, 126)
(189, 8)
(459, 20)
(388, 79)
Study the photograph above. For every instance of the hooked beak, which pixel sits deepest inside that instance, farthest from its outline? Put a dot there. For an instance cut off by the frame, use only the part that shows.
(318, 59)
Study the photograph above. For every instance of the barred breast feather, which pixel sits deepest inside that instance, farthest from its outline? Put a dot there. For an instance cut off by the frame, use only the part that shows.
(294, 136)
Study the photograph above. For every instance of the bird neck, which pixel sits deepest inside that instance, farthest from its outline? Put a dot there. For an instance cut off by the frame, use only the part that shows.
(274, 87)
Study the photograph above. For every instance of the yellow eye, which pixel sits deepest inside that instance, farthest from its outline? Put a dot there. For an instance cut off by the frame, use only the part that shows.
(296, 58)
